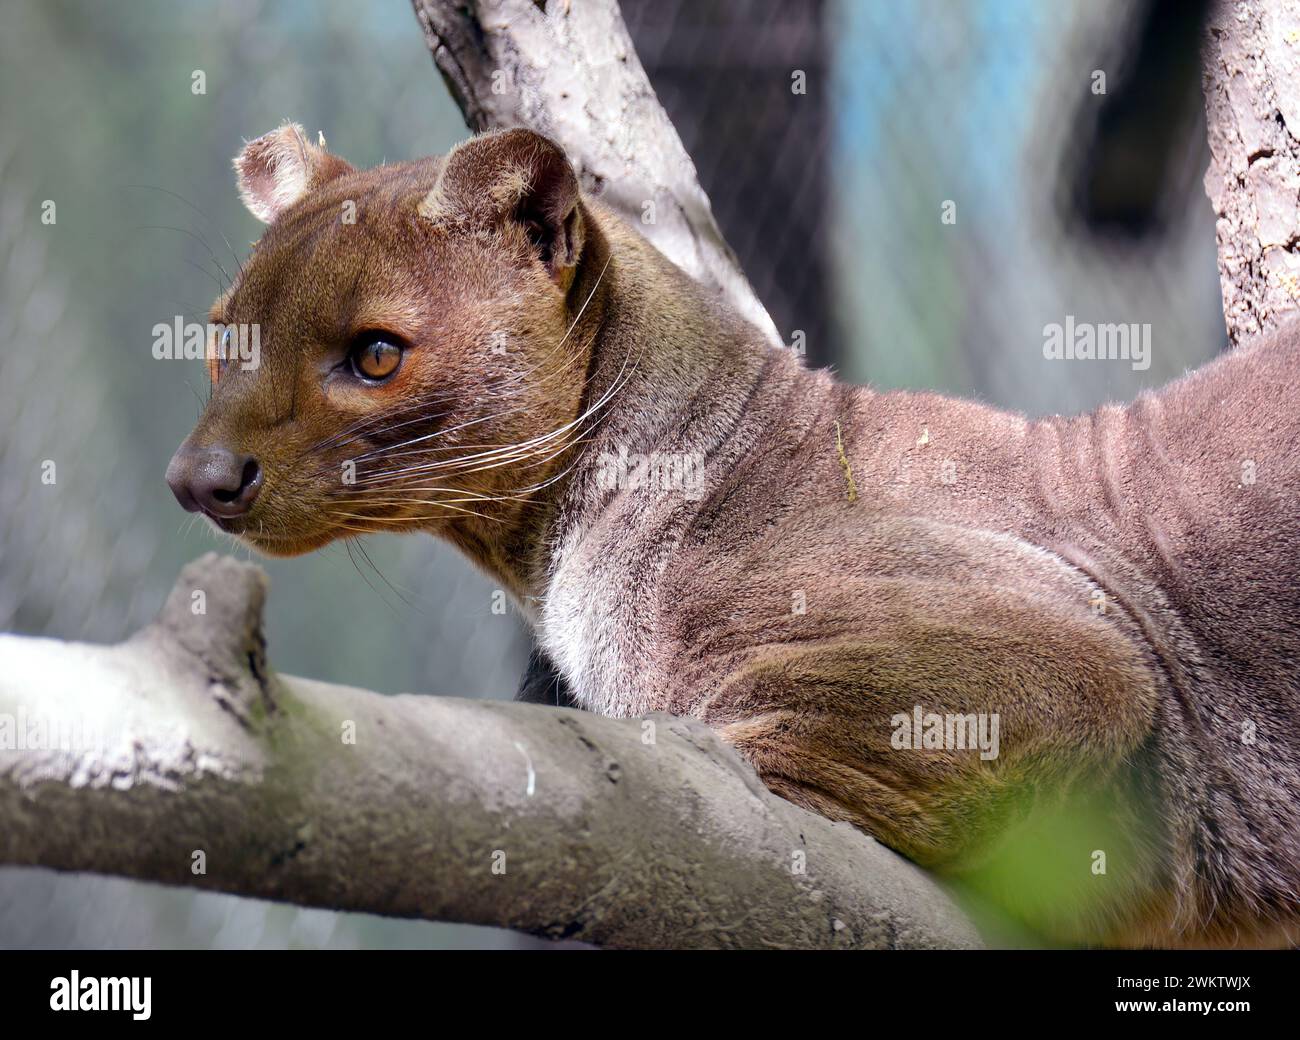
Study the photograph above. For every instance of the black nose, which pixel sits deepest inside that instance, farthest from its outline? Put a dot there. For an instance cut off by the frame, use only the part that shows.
(214, 479)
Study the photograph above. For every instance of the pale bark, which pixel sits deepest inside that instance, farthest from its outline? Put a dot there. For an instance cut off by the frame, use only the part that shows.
(1252, 96)
(645, 833)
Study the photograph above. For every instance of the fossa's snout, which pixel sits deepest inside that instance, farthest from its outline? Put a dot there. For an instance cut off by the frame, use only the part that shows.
(214, 480)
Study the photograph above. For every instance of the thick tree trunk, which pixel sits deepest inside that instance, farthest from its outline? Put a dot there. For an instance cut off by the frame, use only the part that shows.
(1252, 98)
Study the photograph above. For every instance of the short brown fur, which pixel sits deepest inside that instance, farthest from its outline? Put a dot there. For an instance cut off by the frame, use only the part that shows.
(1109, 585)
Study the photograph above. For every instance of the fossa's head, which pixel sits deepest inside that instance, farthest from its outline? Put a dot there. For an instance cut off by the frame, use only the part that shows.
(416, 363)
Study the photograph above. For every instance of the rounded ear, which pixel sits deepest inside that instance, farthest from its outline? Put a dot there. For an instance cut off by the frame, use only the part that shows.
(517, 176)
(277, 169)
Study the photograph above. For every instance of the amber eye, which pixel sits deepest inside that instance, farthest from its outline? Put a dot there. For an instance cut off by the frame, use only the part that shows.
(375, 358)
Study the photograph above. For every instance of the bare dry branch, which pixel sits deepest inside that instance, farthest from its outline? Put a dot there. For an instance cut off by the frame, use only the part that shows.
(181, 742)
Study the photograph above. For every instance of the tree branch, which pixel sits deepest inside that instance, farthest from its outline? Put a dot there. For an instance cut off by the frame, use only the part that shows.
(618, 832)
(567, 69)
(1252, 100)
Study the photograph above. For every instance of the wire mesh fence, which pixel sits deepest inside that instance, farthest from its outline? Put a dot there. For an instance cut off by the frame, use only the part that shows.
(836, 196)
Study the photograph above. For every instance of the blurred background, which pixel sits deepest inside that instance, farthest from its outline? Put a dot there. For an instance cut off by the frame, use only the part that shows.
(1061, 200)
